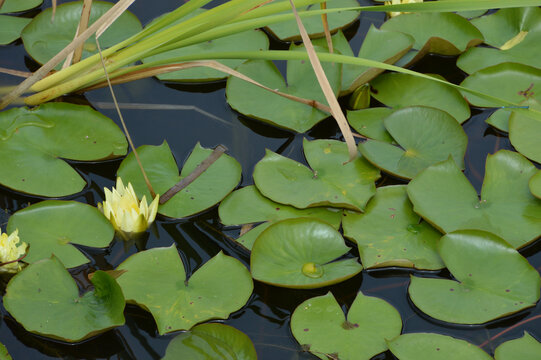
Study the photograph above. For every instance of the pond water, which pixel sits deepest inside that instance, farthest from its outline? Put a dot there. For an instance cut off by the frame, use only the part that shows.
(185, 114)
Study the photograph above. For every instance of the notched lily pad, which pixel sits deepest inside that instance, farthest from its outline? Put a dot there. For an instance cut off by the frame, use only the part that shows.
(320, 325)
(300, 253)
(161, 168)
(34, 142)
(45, 299)
(53, 227)
(492, 280)
(524, 348)
(11, 28)
(156, 280)
(369, 123)
(330, 182)
(389, 233)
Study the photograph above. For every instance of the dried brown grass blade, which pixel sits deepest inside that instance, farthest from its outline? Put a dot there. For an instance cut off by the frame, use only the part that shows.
(106, 19)
(83, 25)
(336, 111)
(1, 3)
(325, 22)
(54, 11)
(18, 73)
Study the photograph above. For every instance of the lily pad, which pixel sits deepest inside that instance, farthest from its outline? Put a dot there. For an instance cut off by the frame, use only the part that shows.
(43, 39)
(4, 354)
(369, 123)
(492, 280)
(34, 142)
(288, 30)
(525, 131)
(45, 299)
(400, 90)
(525, 348)
(277, 110)
(300, 253)
(330, 182)
(53, 227)
(425, 136)
(156, 280)
(443, 196)
(161, 168)
(535, 184)
(11, 6)
(247, 205)
(428, 346)
(389, 233)
(211, 341)
(251, 40)
(320, 326)
(11, 28)
(500, 119)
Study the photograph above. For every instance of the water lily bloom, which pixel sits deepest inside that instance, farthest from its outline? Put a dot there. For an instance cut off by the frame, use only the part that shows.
(10, 252)
(124, 210)
(395, 2)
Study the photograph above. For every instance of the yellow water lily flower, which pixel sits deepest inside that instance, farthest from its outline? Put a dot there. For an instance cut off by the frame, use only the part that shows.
(395, 2)
(124, 210)
(10, 251)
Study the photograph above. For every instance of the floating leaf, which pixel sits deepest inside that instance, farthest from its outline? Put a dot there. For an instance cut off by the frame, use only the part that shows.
(45, 299)
(427, 346)
(247, 205)
(500, 119)
(400, 90)
(524, 132)
(331, 182)
(389, 232)
(299, 253)
(442, 195)
(319, 325)
(289, 31)
(34, 142)
(156, 280)
(535, 184)
(161, 168)
(53, 227)
(525, 348)
(11, 6)
(11, 28)
(492, 280)
(369, 122)
(44, 38)
(211, 341)
(425, 136)
(4, 354)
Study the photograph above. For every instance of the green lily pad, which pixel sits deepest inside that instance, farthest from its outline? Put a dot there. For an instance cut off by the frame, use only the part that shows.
(500, 119)
(428, 346)
(53, 227)
(274, 109)
(443, 196)
(34, 142)
(288, 30)
(251, 40)
(156, 280)
(211, 341)
(401, 90)
(161, 168)
(11, 6)
(299, 253)
(11, 28)
(525, 348)
(45, 299)
(369, 123)
(43, 39)
(247, 205)
(492, 280)
(389, 233)
(320, 326)
(524, 131)
(535, 184)
(4, 354)
(425, 136)
(522, 82)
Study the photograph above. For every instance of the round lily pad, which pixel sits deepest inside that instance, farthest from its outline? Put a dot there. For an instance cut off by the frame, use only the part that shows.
(425, 136)
(34, 142)
(43, 38)
(45, 299)
(492, 280)
(428, 346)
(320, 326)
(299, 253)
(11, 6)
(156, 280)
(330, 182)
(289, 31)
(443, 196)
(400, 90)
(11, 28)
(161, 168)
(54, 227)
(211, 341)
(524, 348)
(389, 233)
(369, 122)
(535, 184)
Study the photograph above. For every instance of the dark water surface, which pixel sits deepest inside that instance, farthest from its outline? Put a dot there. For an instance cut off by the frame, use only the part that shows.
(185, 114)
